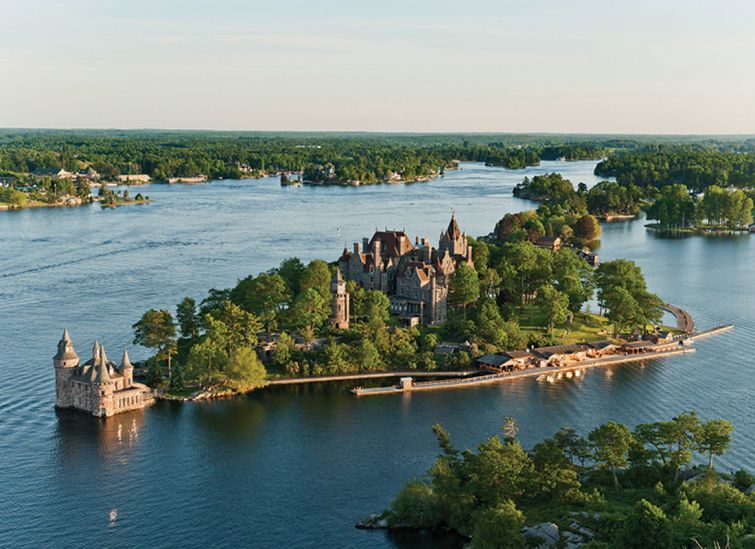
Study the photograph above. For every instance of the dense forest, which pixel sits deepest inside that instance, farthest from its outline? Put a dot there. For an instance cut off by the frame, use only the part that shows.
(695, 167)
(368, 158)
(614, 487)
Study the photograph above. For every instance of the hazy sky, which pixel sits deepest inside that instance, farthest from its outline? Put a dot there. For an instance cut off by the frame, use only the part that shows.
(635, 66)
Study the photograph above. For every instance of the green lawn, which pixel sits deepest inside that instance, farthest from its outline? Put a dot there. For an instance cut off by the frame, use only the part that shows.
(585, 326)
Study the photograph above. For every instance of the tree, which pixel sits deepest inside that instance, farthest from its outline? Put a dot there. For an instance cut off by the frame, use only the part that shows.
(679, 435)
(265, 295)
(157, 330)
(240, 327)
(714, 438)
(284, 349)
(464, 286)
(587, 228)
(244, 371)
(188, 322)
(316, 276)
(646, 526)
(554, 304)
(291, 271)
(367, 356)
(490, 326)
(415, 506)
(499, 527)
(205, 358)
(310, 309)
(376, 306)
(573, 277)
(622, 290)
(574, 446)
(610, 443)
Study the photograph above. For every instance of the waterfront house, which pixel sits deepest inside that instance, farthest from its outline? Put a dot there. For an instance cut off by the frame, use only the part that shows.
(52, 173)
(752, 228)
(191, 180)
(560, 355)
(553, 243)
(136, 178)
(592, 259)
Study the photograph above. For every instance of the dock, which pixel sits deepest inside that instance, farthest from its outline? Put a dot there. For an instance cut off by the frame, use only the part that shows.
(374, 375)
(530, 372)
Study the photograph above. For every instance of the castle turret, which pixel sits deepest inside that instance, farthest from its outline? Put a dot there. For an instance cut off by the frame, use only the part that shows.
(65, 363)
(127, 370)
(102, 388)
(66, 356)
(340, 316)
(102, 374)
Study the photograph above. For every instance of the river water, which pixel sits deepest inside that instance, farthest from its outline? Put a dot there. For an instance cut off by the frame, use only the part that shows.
(297, 467)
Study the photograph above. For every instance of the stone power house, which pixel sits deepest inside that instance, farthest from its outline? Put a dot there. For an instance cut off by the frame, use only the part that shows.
(98, 386)
(415, 277)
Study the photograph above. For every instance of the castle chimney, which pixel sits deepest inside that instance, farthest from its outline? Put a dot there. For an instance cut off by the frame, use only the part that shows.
(356, 248)
(428, 253)
(365, 244)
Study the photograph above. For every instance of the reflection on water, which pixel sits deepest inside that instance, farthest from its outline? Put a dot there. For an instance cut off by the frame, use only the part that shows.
(82, 438)
(298, 466)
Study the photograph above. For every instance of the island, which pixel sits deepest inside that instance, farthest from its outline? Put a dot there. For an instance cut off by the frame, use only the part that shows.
(460, 311)
(613, 487)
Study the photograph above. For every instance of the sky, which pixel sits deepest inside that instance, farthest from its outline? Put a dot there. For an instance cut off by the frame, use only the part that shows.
(585, 66)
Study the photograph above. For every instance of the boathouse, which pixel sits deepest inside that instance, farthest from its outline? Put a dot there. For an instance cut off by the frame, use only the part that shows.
(506, 362)
(598, 349)
(559, 355)
(636, 347)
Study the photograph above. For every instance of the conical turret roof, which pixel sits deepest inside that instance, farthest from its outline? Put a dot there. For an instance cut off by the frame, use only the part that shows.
(125, 362)
(65, 348)
(101, 374)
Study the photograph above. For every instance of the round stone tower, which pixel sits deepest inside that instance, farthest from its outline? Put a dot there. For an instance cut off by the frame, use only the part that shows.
(65, 363)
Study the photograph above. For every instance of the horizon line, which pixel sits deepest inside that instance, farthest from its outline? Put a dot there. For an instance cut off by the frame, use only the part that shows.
(374, 132)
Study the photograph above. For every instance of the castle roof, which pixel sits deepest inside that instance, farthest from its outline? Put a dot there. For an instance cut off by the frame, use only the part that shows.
(125, 362)
(453, 230)
(65, 348)
(394, 243)
(101, 375)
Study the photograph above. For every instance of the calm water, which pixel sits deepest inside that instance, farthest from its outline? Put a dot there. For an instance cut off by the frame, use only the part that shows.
(297, 467)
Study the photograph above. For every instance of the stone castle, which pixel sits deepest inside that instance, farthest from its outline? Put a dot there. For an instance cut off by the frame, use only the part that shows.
(414, 276)
(98, 386)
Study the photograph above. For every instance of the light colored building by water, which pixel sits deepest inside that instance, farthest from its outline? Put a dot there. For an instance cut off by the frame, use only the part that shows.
(98, 387)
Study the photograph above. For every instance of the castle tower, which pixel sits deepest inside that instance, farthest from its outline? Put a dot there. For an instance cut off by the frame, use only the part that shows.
(65, 363)
(340, 316)
(453, 240)
(127, 370)
(102, 388)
